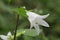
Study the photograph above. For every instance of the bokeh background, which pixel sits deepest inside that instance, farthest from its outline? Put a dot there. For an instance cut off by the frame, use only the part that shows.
(42, 7)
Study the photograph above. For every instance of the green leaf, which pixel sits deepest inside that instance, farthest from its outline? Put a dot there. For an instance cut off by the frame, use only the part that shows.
(27, 32)
(21, 11)
(30, 32)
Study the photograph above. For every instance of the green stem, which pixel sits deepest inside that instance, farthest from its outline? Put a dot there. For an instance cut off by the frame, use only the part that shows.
(16, 26)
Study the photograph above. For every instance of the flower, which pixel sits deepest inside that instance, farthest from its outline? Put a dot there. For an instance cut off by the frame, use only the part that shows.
(4, 37)
(36, 20)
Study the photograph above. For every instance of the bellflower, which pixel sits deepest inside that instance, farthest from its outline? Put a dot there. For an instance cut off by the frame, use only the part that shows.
(6, 37)
(36, 20)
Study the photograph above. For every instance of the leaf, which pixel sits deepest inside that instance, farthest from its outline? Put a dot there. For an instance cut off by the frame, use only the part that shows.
(30, 32)
(22, 12)
(27, 32)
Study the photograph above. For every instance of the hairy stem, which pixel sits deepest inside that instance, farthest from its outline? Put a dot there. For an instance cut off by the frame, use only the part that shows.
(16, 26)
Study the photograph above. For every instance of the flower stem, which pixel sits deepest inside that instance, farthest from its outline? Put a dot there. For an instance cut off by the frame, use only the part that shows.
(16, 26)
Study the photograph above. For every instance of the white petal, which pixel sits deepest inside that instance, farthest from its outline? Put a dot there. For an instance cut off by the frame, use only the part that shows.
(9, 34)
(31, 14)
(31, 22)
(36, 26)
(4, 37)
(44, 16)
(31, 25)
(41, 22)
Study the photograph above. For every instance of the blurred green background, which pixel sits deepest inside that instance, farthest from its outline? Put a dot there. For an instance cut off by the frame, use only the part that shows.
(8, 17)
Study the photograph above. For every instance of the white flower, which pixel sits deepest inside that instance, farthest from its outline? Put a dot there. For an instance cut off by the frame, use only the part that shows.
(6, 37)
(36, 20)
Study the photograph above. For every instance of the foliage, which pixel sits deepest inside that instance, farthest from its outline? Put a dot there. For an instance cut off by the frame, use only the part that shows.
(9, 9)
